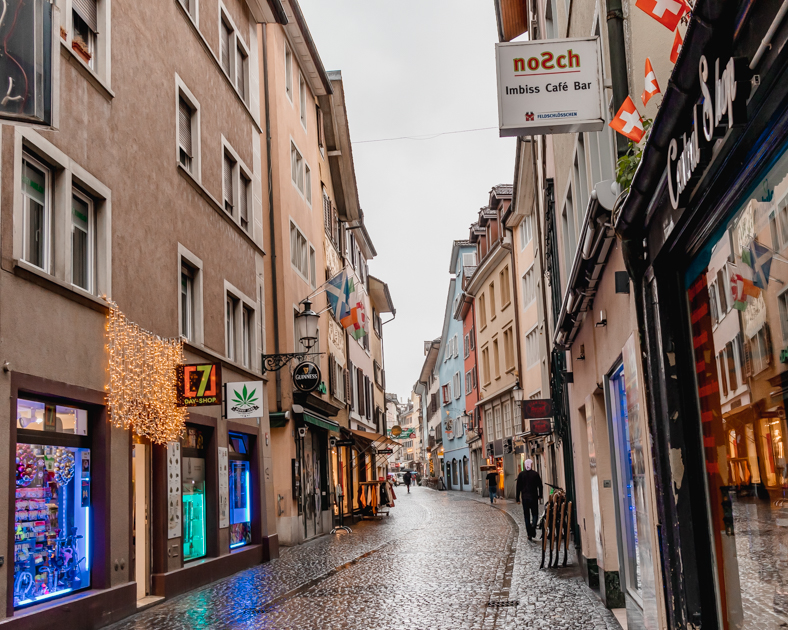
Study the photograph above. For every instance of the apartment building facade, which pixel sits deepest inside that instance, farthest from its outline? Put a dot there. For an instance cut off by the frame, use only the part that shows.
(78, 230)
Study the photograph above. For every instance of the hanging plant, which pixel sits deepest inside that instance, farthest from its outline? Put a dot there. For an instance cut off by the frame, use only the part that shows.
(628, 163)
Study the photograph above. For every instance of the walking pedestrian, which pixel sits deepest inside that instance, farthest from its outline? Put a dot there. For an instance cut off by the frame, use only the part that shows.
(492, 484)
(529, 486)
(406, 479)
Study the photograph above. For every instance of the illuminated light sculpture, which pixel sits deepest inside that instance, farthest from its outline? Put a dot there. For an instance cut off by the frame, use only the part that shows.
(142, 392)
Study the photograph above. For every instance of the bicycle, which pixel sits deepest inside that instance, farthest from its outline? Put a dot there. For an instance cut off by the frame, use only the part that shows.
(555, 526)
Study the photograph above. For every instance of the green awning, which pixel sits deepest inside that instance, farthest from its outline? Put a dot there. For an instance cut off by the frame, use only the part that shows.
(318, 421)
(277, 419)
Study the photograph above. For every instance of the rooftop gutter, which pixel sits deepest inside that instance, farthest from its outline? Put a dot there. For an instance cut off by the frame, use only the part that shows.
(310, 45)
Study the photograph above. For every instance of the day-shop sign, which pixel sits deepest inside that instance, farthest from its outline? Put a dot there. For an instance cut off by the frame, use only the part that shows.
(199, 384)
(243, 400)
(550, 86)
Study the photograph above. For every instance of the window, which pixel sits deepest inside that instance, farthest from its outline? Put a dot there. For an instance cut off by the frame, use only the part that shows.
(312, 267)
(228, 169)
(466, 347)
(299, 251)
(244, 192)
(231, 304)
(526, 231)
(247, 319)
(486, 365)
(37, 208)
(581, 181)
(321, 137)
(336, 379)
(497, 421)
(531, 348)
(288, 72)
(446, 393)
(302, 99)
(300, 173)
(187, 302)
(503, 278)
(722, 288)
(241, 66)
(456, 346)
(468, 382)
(186, 125)
(731, 359)
(457, 385)
(721, 371)
(469, 259)
(473, 378)
(191, 8)
(508, 348)
(507, 419)
(308, 184)
(226, 36)
(529, 286)
(84, 18)
(568, 228)
(491, 293)
(496, 359)
(52, 507)
(471, 336)
(83, 237)
(551, 20)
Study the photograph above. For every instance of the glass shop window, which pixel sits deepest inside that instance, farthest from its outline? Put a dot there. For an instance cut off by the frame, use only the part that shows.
(51, 504)
(194, 533)
(743, 420)
(240, 495)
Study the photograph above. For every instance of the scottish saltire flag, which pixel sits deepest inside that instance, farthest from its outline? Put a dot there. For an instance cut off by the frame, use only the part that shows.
(339, 291)
(759, 258)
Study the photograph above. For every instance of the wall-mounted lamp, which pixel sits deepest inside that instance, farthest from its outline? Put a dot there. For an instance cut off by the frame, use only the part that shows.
(602, 319)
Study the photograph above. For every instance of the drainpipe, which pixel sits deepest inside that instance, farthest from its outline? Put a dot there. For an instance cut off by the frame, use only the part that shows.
(618, 62)
(271, 218)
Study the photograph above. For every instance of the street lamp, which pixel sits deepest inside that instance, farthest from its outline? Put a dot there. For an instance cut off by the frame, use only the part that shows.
(518, 393)
(306, 331)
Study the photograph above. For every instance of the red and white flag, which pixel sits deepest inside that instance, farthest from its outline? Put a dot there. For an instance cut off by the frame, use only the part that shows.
(628, 122)
(678, 42)
(651, 86)
(666, 12)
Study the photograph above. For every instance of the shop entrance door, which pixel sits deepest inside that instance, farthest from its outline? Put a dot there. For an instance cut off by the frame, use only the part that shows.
(141, 532)
(313, 521)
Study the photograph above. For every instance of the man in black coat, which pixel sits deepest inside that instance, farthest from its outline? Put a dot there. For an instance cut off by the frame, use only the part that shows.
(529, 486)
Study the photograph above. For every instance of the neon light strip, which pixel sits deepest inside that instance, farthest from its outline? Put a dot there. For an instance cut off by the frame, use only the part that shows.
(47, 596)
(238, 544)
(248, 510)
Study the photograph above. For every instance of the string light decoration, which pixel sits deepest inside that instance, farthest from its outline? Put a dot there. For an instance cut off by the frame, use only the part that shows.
(142, 393)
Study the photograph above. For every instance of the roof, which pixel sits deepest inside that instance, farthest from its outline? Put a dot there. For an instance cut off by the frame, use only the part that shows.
(305, 49)
(340, 150)
(502, 190)
(267, 11)
(430, 360)
(455, 251)
(380, 296)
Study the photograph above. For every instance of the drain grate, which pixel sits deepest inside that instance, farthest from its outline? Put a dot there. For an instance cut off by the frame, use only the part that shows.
(504, 603)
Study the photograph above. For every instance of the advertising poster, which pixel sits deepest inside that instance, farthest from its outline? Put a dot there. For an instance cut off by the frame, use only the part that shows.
(173, 490)
(224, 489)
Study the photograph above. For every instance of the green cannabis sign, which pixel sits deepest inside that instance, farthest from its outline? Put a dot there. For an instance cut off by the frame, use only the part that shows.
(243, 400)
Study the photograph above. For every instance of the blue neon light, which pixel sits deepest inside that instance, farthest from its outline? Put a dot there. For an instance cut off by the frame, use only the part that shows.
(47, 596)
(238, 544)
(248, 510)
(87, 540)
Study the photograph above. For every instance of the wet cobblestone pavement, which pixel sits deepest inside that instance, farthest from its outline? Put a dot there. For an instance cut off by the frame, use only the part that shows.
(437, 562)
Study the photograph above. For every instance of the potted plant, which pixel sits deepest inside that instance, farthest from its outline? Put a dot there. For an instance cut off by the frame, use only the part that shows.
(63, 33)
(81, 48)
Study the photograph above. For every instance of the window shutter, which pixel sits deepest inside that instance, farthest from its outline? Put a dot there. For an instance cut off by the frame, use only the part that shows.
(748, 369)
(767, 342)
(185, 127)
(348, 396)
(228, 179)
(225, 48)
(244, 200)
(86, 9)
(331, 368)
(240, 77)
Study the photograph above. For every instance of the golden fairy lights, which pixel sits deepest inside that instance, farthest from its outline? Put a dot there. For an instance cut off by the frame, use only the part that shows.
(142, 391)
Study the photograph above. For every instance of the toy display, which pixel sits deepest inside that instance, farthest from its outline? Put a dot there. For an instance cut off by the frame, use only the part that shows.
(240, 508)
(193, 497)
(49, 525)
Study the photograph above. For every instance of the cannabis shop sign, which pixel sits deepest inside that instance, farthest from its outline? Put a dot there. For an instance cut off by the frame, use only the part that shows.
(243, 400)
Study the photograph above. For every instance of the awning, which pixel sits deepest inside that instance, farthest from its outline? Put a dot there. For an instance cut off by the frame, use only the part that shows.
(320, 421)
(378, 440)
(277, 419)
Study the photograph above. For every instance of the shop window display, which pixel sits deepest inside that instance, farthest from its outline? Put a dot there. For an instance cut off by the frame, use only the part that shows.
(51, 505)
(193, 496)
(240, 496)
(743, 429)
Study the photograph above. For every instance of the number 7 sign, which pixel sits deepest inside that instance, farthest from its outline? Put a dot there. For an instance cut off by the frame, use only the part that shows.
(199, 384)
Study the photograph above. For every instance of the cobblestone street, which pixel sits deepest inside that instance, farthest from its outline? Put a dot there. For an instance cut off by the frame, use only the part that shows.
(438, 561)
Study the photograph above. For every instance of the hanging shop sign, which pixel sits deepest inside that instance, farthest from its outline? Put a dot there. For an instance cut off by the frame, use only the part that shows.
(199, 384)
(402, 434)
(385, 451)
(724, 106)
(549, 86)
(537, 408)
(395, 431)
(539, 426)
(306, 376)
(243, 400)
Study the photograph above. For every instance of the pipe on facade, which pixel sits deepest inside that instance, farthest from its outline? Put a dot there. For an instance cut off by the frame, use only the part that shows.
(618, 62)
(271, 217)
(766, 42)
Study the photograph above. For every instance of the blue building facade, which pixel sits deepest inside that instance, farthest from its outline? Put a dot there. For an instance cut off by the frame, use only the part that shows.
(451, 373)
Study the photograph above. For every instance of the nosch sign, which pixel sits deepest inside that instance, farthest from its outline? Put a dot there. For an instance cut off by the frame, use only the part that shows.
(549, 86)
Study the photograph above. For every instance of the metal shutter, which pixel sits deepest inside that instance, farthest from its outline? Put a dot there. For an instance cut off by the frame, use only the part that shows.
(86, 9)
(225, 47)
(185, 127)
(244, 199)
(228, 179)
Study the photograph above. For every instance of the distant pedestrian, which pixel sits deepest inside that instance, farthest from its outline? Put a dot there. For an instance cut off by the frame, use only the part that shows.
(406, 479)
(492, 485)
(529, 486)
(441, 484)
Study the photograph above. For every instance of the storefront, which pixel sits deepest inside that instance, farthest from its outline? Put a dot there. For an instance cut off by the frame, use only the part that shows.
(714, 310)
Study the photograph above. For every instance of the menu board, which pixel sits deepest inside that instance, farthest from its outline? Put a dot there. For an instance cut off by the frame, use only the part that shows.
(173, 490)
(224, 489)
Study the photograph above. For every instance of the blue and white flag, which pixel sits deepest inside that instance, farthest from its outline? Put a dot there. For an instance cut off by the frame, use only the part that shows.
(338, 291)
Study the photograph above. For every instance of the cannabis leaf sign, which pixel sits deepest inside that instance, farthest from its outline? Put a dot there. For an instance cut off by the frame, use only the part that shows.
(244, 398)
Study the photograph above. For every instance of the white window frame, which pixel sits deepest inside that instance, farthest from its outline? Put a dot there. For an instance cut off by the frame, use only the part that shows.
(239, 169)
(192, 9)
(64, 175)
(99, 69)
(300, 174)
(302, 99)
(526, 231)
(181, 91)
(289, 73)
(91, 239)
(506, 410)
(469, 259)
(194, 263)
(457, 385)
(236, 42)
(234, 335)
(47, 219)
(532, 347)
(529, 286)
(305, 273)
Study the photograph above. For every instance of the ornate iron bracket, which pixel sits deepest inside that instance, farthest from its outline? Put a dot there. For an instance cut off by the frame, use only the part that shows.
(275, 362)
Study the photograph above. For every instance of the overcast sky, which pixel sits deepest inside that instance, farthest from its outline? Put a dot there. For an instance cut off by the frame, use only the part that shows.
(412, 68)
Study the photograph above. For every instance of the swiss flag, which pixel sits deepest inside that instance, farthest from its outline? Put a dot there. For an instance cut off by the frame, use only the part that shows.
(651, 86)
(666, 12)
(627, 121)
(678, 42)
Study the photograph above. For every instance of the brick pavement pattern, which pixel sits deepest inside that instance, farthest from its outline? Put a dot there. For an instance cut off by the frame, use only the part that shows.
(437, 563)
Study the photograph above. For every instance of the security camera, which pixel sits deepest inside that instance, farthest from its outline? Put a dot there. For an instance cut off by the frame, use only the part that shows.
(332, 442)
(301, 431)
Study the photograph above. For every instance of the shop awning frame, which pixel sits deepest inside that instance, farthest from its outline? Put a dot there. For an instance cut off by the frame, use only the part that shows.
(317, 420)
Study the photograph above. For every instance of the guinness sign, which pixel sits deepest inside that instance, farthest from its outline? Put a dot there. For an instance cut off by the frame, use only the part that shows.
(306, 376)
